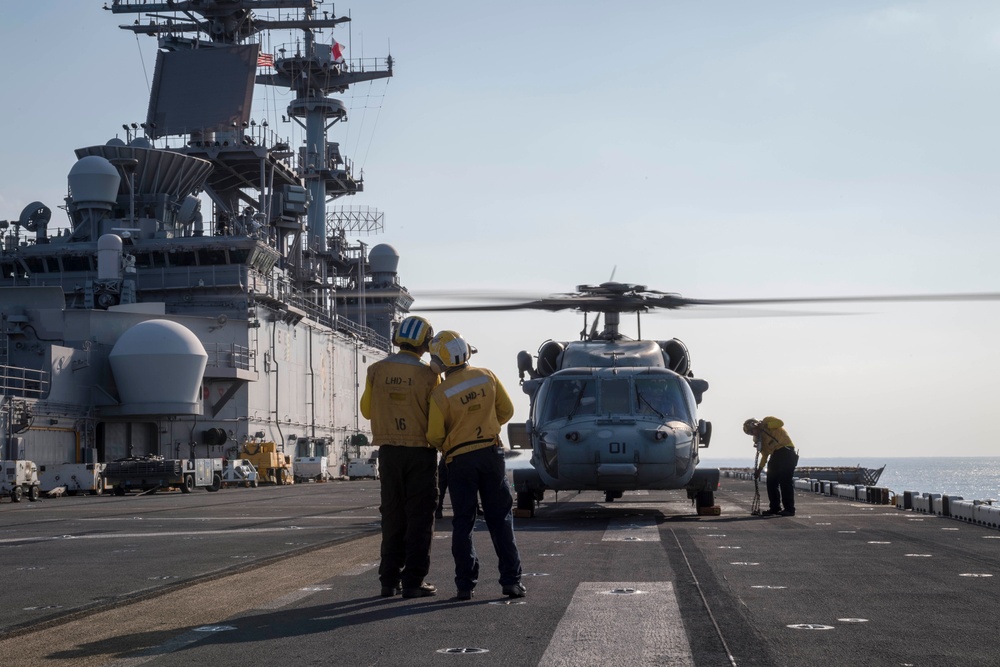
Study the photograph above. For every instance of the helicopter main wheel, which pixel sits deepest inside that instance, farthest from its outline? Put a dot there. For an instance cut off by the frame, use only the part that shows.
(704, 499)
(609, 496)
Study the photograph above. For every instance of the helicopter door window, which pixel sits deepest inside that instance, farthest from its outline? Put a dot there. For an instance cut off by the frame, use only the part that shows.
(570, 397)
(615, 397)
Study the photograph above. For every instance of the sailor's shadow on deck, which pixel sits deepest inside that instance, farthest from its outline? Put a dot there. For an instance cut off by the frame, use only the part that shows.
(265, 626)
(122, 646)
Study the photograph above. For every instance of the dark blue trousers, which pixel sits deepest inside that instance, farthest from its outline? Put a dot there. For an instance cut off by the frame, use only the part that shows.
(780, 488)
(409, 495)
(481, 474)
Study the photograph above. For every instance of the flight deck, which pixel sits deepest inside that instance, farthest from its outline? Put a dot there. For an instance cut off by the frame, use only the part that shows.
(288, 575)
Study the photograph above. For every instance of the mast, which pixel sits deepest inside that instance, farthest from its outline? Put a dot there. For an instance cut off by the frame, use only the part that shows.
(216, 46)
(311, 73)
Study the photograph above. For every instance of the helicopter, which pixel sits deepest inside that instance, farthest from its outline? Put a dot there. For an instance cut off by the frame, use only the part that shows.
(611, 413)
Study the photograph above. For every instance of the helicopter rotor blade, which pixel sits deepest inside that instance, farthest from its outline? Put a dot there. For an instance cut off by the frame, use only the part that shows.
(527, 305)
(883, 298)
(590, 301)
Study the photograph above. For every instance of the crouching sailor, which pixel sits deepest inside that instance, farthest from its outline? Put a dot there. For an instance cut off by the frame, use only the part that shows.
(778, 452)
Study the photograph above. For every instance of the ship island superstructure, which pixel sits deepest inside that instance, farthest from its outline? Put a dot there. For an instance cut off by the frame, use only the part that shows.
(204, 294)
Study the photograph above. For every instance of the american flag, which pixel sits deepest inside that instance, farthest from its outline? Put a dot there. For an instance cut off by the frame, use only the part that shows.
(265, 60)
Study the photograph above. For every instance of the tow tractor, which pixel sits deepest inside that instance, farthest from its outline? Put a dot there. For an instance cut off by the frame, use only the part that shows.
(363, 468)
(150, 473)
(76, 477)
(273, 466)
(312, 468)
(19, 479)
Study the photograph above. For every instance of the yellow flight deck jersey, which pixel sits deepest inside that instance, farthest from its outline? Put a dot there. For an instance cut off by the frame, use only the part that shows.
(466, 412)
(773, 437)
(397, 393)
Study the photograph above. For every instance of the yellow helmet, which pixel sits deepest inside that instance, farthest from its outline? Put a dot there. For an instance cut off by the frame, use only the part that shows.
(451, 349)
(413, 330)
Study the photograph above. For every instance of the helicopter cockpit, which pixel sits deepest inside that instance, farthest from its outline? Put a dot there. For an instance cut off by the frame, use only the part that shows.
(652, 394)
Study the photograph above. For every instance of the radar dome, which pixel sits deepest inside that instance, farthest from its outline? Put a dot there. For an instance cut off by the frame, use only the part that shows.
(94, 179)
(383, 258)
(158, 367)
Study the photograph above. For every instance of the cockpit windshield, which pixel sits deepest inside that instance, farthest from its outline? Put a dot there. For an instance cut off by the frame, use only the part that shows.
(571, 396)
(659, 396)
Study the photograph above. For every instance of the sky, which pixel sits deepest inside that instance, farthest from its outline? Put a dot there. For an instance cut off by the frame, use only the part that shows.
(720, 149)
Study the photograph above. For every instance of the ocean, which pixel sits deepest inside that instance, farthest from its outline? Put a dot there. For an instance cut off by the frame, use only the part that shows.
(971, 477)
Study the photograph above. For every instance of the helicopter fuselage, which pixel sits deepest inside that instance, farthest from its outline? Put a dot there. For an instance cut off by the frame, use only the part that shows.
(612, 429)
(614, 415)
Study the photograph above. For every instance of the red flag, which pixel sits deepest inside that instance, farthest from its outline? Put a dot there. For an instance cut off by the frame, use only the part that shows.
(338, 52)
(265, 60)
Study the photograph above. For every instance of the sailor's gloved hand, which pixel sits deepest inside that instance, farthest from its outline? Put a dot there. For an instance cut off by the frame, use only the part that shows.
(756, 474)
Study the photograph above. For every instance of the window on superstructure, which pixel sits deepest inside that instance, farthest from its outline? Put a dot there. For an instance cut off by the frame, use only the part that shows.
(35, 264)
(182, 258)
(213, 257)
(72, 263)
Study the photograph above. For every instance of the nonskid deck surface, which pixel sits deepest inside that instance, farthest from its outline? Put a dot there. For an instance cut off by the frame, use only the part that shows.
(171, 580)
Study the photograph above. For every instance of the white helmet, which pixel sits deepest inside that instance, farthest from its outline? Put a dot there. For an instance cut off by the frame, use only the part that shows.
(450, 349)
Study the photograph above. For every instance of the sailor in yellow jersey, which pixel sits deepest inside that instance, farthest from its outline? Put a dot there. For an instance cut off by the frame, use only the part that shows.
(466, 412)
(396, 397)
(778, 453)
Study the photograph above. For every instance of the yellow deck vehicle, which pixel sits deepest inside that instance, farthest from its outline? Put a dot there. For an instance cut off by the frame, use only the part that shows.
(273, 466)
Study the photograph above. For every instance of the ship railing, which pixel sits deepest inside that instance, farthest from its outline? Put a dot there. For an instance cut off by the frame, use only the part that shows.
(235, 356)
(281, 291)
(350, 283)
(367, 65)
(323, 52)
(366, 335)
(23, 382)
